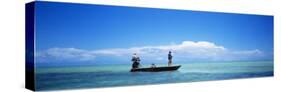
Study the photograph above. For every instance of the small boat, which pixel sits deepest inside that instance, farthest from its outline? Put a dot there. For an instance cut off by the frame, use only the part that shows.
(156, 69)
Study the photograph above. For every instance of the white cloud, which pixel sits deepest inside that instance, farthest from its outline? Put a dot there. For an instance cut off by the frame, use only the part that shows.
(67, 53)
(187, 50)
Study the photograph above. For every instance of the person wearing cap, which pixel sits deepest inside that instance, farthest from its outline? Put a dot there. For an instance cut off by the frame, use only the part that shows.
(136, 61)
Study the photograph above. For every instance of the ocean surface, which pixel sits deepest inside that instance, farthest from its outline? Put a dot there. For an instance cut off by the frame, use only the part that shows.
(60, 78)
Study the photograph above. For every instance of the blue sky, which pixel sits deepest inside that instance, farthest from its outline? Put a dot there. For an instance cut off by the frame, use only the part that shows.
(89, 29)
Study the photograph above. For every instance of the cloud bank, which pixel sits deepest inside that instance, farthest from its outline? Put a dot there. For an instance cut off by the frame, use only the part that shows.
(187, 50)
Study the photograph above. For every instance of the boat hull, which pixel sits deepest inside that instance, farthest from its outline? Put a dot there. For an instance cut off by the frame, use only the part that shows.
(156, 69)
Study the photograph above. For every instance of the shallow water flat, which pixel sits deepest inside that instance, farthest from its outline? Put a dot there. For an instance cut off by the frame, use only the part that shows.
(58, 78)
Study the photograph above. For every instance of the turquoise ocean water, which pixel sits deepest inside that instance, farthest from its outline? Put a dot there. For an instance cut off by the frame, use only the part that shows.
(59, 78)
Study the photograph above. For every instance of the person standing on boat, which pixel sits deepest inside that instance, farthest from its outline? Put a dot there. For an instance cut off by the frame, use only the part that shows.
(170, 57)
(136, 61)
